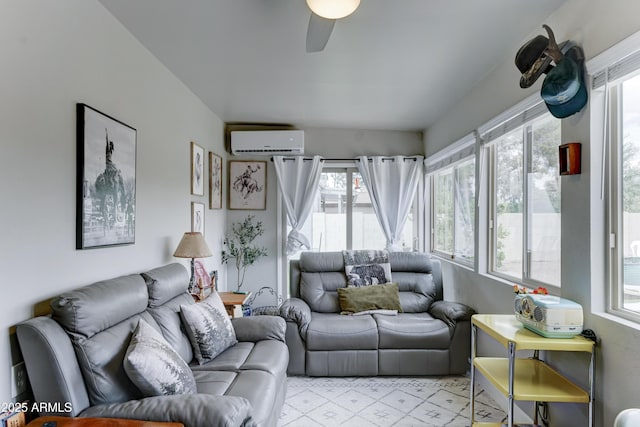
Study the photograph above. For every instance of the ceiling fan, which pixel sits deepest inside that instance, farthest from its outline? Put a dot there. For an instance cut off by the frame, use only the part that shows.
(324, 14)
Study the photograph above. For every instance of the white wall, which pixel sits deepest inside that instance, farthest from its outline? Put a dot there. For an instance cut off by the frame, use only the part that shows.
(53, 56)
(349, 143)
(596, 26)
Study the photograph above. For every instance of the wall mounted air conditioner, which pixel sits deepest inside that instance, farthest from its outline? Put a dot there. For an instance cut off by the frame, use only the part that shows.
(267, 142)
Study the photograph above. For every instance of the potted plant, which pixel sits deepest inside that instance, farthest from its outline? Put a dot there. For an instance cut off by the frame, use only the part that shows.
(239, 247)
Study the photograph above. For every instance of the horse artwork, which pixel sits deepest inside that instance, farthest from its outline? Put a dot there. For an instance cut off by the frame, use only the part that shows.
(245, 184)
(106, 168)
(247, 180)
(109, 191)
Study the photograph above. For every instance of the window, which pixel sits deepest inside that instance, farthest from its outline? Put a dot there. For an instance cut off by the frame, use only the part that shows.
(625, 197)
(616, 79)
(453, 211)
(525, 209)
(343, 217)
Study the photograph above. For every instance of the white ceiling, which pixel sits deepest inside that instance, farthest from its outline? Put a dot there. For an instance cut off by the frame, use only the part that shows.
(393, 65)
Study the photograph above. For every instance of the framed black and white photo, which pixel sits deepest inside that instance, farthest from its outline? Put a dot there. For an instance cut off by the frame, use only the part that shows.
(106, 180)
(247, 184)
(197, 217)
(215, 181)
(197, 170)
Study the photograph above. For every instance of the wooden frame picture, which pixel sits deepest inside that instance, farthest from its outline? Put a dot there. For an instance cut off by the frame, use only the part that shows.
(106, 180)
(197, 217)
(215, 181)
(197, 170)
(247, 184)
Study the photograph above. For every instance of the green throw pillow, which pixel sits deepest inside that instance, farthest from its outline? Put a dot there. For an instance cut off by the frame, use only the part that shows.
(373, 297)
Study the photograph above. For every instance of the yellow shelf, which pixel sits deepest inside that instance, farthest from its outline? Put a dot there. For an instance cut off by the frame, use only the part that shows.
(505, 328)
(533, 380)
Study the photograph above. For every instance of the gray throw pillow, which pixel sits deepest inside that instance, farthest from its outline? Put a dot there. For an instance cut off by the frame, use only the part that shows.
(154, 367)
(208, 327)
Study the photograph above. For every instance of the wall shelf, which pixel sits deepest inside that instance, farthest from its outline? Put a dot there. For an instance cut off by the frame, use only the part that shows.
(569, 158)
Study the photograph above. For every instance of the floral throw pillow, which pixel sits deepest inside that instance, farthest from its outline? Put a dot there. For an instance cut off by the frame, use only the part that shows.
(154, 367)
(208, 327)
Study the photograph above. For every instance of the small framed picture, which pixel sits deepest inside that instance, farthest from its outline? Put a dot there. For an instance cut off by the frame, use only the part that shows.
(197, 169)
(106, 180)
(197, 217)
(215, 181)
(204, 282)
(247, 185)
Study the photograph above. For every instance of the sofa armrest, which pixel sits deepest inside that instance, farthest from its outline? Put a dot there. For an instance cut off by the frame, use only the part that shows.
(450, 312)
(258, 328)
(297, 311)
(192, 410)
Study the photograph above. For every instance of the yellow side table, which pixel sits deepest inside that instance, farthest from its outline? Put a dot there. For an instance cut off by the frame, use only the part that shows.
(527, 379)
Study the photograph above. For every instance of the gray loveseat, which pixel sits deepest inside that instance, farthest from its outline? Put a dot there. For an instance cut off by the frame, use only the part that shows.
(76, 356)
(430, 336)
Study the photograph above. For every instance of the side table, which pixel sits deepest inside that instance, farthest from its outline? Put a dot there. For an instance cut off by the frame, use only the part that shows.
(528, 379)
(233, 302)
(98, 422)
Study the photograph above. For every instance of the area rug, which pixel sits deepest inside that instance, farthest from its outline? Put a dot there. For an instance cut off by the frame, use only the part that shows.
(384, 402)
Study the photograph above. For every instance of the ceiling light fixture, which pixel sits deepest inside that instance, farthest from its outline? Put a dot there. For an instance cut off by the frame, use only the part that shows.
(333, 9)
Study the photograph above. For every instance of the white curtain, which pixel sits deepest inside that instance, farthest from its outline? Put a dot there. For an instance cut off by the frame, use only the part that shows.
(298, 179)
(392, 184)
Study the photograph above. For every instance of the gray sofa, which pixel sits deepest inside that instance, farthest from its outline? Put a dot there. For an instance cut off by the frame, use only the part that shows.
(76, 356)
(430, 336)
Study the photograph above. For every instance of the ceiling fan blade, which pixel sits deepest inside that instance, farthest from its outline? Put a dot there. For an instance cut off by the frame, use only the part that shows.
(318, 32)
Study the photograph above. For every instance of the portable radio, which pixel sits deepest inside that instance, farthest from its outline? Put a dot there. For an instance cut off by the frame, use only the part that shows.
(548, 315)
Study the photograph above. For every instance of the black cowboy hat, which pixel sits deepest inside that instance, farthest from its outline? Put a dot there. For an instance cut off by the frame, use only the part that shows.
(533, 58)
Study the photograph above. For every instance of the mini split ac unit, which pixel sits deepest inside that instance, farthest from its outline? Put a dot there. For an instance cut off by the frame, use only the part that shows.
(267, 142)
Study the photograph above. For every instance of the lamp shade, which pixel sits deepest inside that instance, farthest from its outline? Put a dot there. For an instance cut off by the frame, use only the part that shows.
(192, 245)
(333, 9)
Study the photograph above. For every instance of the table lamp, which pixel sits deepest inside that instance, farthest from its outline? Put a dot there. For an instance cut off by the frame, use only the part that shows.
(192, 246)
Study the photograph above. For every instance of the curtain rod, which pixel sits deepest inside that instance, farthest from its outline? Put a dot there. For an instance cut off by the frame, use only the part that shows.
(305, 159)
(414, 158)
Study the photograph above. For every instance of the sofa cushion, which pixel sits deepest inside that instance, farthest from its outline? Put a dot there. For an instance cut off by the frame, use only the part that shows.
(168, 317)
(372, 297)
(214, 382)
(364, 268)
(208, 327)
(100, 319)
(414, 262)
(229, 360)
(333, 331)
(417, 291)
(319, 290)
(261, 389)
(154, 367)
(268, 355)
(322, 274)
(91, 309)
(412, 331)
(321, 261)
(165, 283)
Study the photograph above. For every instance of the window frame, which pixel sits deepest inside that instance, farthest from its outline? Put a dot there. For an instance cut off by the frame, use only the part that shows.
(351, 168)
(492, 229)
(615, 287)
(453, 167)
(614, 65)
